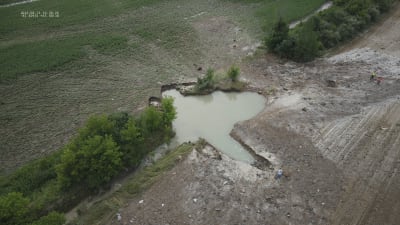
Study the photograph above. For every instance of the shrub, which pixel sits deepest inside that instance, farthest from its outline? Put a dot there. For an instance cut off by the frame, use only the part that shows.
(330, 27)
(151, 121)
(206, 82)
(91, 162)
(14, 209)
(279, 33)
(233, 73)
(131, 144)
(52, 218)
(307, 45)
(32, 176)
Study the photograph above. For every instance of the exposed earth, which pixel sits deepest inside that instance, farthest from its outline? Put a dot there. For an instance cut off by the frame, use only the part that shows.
(337, 143)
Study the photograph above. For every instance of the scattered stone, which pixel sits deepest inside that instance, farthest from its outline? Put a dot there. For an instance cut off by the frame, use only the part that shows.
(304, 109)
(285, 89)
(225, 182)
(332, 83)
(141, 201)
(119, 216)
(217, 209)
(195, 200)
(199, 68)
(162, 205)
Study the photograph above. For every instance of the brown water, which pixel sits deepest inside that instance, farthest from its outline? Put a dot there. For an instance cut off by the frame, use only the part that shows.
(213, 116)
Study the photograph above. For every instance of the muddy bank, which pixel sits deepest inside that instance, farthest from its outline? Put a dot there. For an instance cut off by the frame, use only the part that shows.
(260, 162)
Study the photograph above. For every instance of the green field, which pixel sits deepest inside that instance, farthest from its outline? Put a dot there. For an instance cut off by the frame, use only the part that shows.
(105, 56)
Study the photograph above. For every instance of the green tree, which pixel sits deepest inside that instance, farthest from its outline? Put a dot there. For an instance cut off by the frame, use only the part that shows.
(131, 144)
(151, 121)
(168, 110)
(91, 162)
(97, 125)
(52, 218)
(279, 33)
(233, 73)
(14, 209)
(307, 44)
(119, 120)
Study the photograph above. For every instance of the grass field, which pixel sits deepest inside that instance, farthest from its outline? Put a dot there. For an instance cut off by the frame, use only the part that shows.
(104, 56)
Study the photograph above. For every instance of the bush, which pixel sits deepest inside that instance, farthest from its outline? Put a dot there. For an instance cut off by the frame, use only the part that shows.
(14, 209)
(330, 27)
(91, 162)
(52, 218)
(32, 176)
(206, 82)
(233, 73)
(279, 33)
(307, 46)
(131, 144)
(151, 121)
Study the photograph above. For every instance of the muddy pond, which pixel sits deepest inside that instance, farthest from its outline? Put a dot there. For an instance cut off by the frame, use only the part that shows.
(213, 116)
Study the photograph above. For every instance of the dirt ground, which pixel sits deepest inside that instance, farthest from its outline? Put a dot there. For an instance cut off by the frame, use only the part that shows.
(338, 147)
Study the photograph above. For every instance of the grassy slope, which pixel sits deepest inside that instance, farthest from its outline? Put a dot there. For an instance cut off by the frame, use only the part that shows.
(104, 56)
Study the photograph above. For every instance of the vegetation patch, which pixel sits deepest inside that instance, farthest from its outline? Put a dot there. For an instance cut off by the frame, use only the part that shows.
(212, 81)
(104, 211)
(46, 55)
(103, 148)
(325, 30)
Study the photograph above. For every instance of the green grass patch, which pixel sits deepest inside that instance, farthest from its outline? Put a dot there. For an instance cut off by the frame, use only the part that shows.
(104, 210)
(46, 55)
(110, 44)
(71, 12)
(270, 10)
(40, 56)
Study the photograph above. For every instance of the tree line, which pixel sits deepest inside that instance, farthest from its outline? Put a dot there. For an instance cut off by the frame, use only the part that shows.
(104, 147)
(327, 29)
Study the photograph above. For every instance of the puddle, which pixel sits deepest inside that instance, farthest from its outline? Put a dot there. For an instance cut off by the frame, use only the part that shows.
(212, 117)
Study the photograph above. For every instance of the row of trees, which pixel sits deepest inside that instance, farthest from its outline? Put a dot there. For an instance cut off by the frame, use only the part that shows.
(109, 143)
(104, 147)
(325, 30)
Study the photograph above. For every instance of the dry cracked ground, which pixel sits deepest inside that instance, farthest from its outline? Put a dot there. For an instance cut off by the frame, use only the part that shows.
(339, 147)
